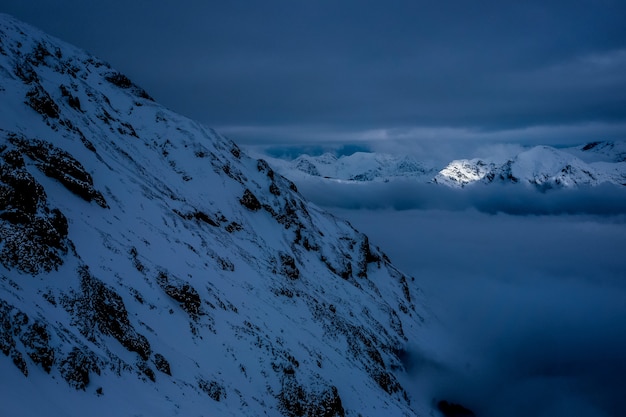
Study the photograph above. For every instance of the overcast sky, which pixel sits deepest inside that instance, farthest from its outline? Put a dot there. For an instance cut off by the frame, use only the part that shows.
(546, 71)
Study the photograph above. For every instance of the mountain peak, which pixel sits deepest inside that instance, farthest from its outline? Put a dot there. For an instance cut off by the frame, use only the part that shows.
(142, 252)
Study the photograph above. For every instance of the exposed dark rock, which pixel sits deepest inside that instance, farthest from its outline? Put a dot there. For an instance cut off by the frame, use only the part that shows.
(20, 191)
(590, 146)
(213, 389)
(182, 292)
(405, 288)
(11, 322)
(233, 227)
(99, 308)
(295, 401)
(36, 340)
(25, 72)
(370, 257)
(225, 264)
(19, 362)
(122, 81)
(146, 370)
(232, 171)
(135, 257)
(288, 266)
(198, 215)
(386, 381)
(72, 100)
(77, 366)
(274, 189)
(42, 103)
(346, 273)
(127, 129)
(60, 165)
(290, 214)
(307, 167)
(162, 364)
(34, 236)
(250, 201)
(362, 346)
(39, 54)
(365, 257)
(263, 166)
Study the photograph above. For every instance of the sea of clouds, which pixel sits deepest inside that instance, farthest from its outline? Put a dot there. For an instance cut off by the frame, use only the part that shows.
(528, 288)
(517, 199)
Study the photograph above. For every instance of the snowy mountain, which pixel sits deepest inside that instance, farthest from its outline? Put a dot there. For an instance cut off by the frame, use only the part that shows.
(150, 267)
(601, 151)
(543, 167)
(359, 166)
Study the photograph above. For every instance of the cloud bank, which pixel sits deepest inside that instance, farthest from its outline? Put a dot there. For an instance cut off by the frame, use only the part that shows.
(531, 308)
(493, 198)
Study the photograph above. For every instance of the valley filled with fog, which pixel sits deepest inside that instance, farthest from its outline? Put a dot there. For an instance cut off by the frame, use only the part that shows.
(531, 303)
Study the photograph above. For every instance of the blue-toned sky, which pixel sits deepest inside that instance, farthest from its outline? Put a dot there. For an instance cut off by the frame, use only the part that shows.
(547, 71)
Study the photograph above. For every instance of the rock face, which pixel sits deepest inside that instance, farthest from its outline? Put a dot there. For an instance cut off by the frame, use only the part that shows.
(143, 253)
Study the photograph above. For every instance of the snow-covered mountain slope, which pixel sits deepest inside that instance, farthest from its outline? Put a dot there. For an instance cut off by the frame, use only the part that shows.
(149, 267)
(543, 167)
(461, 172)
(359, 166)
(607, 151)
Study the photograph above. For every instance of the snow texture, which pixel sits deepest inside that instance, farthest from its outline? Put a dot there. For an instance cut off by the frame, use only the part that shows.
(148, 266)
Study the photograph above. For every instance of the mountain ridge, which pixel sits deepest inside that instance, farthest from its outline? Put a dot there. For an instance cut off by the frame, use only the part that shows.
(149, 264)
(542, 167)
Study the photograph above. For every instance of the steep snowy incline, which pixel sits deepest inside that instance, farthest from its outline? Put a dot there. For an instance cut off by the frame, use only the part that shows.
(608, 151)
(149, 267)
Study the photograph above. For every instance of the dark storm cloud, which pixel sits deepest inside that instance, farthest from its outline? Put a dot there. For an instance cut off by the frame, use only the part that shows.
(532, 308)
(361, 65)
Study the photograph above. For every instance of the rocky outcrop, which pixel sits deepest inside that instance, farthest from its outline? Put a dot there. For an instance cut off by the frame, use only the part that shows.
(33, 235)
(77, 367)
(249, 201)
(98, 310)
(296, 400)
(182, 292)
(60, 165)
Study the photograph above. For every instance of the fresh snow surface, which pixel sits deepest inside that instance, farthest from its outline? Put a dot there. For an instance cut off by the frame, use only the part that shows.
(150, 267)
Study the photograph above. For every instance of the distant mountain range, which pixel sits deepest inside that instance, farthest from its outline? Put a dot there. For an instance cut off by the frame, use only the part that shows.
(543, 167)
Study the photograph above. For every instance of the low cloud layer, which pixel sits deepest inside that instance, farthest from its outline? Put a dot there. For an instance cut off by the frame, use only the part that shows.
(494, 198)
(531, 309)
